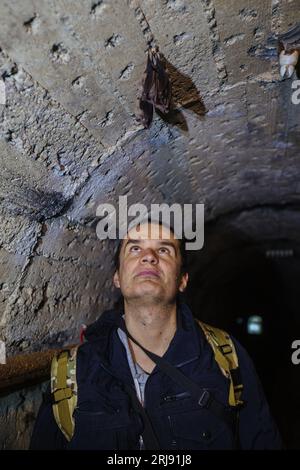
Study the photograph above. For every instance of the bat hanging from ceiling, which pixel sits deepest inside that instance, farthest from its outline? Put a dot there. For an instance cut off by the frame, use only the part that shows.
(289, 50)
(156, 88)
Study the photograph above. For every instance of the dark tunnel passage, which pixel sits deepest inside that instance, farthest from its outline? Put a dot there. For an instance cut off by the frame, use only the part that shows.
(251, 290)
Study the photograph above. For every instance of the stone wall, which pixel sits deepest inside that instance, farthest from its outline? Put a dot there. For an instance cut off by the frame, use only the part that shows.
(17, 416)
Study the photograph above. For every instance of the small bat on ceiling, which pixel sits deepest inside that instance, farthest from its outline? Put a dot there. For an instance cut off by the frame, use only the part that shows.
(156, 88)
(289, 50)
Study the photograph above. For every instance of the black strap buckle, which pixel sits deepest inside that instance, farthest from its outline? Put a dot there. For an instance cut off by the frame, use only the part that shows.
(204, 400)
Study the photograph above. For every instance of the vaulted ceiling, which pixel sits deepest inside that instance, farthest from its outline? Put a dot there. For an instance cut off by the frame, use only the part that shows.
(69, 141)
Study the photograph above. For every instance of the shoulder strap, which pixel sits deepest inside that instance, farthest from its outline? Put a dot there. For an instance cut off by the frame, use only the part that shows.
(64, 390)
(226, 358)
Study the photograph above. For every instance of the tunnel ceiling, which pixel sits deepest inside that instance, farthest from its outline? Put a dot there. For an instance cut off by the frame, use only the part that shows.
(69, 139)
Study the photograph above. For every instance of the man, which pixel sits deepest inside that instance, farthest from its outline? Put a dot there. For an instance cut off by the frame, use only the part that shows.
(129, 400)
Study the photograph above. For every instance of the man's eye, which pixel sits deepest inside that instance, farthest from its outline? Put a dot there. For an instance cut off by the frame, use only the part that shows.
(164, 250)
(135, 248)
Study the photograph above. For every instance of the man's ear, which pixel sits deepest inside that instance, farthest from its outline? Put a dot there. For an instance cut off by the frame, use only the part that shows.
(116, 279)
(183, 282)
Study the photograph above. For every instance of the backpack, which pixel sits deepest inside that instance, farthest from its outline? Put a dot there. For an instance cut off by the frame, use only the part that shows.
(64, 385)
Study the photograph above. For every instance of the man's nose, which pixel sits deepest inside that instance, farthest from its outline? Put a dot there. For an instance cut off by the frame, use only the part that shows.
(149, 256)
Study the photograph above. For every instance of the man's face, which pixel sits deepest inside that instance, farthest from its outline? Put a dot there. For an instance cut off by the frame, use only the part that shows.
(150, 267)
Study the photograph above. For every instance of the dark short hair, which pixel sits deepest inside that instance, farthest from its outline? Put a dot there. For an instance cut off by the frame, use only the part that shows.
(183, 268)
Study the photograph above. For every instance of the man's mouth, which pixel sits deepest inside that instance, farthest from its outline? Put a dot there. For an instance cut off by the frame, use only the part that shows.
(148, 272)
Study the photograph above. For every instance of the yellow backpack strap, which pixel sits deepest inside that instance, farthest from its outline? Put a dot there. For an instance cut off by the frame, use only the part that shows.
(64, 390)
(226, 358)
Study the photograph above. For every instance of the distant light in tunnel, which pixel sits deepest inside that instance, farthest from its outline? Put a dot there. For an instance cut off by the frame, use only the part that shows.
(255, 325)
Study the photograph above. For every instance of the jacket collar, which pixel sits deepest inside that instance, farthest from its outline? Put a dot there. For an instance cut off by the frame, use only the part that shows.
(185, 346)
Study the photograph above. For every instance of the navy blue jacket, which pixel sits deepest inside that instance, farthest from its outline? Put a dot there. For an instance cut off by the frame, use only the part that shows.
(104, 417)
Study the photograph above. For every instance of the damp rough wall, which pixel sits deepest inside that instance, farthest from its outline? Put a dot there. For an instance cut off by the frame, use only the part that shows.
(69, 141)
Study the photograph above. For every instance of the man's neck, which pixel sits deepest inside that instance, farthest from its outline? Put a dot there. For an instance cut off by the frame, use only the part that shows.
(152, 325)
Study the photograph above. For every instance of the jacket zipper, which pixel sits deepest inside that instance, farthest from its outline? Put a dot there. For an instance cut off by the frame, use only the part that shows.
(173, 442)
(178, 396)
(141, 442)
(89, 412)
